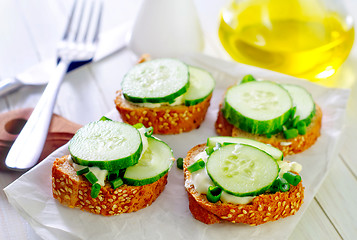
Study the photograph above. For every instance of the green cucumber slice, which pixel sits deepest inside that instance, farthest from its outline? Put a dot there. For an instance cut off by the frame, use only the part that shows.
(109, 145)
(156, 81)
(201, 86)
(303, 101)
(258, 107)
(153, 164)
(272, 151)
(242, 170)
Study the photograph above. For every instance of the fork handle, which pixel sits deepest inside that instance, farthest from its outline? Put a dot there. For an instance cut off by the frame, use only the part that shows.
(26, 150)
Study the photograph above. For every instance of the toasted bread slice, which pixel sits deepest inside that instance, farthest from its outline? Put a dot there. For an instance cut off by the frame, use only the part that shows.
(263, 208)
(287, 146)
(75, 192)
(165, 119)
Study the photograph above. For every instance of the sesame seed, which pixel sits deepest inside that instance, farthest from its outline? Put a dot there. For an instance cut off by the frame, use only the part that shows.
(80, 197)
(87, 201)
(276, 216)
(232, 211)
(260, 208)
(268, 214)
(111, 212)
(127, 116)
(240, 207)
(240, 215)
(110, 200)
(244, 211)
(269, 208)
(229, 215)
(265, 219)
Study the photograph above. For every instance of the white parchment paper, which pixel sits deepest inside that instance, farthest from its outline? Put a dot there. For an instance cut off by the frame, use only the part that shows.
(169, 217)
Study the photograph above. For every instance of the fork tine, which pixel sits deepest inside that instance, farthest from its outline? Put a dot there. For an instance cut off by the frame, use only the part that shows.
(70, 20)
(77, 26)
(99, 20)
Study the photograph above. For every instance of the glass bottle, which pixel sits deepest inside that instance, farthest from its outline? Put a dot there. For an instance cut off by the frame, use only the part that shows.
(304, 38)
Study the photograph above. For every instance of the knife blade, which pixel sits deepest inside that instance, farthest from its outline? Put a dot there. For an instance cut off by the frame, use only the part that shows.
(109, 43)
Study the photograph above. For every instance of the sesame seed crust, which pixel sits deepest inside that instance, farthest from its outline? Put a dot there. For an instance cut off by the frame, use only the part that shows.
(287, 146)
(165, 119)
(74, 191)
(263, 208)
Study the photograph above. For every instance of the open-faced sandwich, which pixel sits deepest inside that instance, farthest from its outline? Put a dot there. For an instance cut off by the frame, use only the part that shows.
(166, 94)
(112, 168)
(282, 115)
(241, 181)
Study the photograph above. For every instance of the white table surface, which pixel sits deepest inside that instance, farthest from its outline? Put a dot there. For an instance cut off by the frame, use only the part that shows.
(29, 31)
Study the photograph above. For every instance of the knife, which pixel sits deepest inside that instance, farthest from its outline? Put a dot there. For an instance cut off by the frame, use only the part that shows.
(110, 42)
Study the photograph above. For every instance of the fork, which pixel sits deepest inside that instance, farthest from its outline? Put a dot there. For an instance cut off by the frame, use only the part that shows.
(78, 45)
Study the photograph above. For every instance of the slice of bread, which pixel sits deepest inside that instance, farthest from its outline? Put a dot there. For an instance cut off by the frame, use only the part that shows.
(263, 208)
(287, 146)
(74, 191)
(165, 119)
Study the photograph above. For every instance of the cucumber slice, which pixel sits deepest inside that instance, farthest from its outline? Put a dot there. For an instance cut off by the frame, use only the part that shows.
(154, 164)
(272, 151)
(242, 170)
(201, 86)
(258, 107)
(156, 81)
(109, 145)
(303, 101)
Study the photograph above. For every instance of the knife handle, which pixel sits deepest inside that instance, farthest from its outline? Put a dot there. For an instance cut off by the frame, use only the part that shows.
(8, 85)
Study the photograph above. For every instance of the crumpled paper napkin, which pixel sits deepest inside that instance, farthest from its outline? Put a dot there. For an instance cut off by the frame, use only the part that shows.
(169, 217)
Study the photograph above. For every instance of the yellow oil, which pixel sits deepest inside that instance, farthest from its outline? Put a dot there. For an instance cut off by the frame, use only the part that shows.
(282, 35)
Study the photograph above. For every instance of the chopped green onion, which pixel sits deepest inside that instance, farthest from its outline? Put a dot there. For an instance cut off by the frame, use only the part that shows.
(301, 126)
(116, 183)
(214, 194)
(209, 150)
(95, 190)
(292, 178)
(275, 186)
(268, 135)
(113, 175)
(104, 118)
(179, 163)
(292, 112)
(290, 133)
(248, 78)
(138, 125)
(284, 186)
(122, 172)
(149, 131)
(227, 143)
(91, 177)
(295, 121)
(82, 171)
(196, 165)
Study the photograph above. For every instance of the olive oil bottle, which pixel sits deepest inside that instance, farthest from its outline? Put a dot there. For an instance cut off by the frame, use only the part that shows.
(303, 38)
